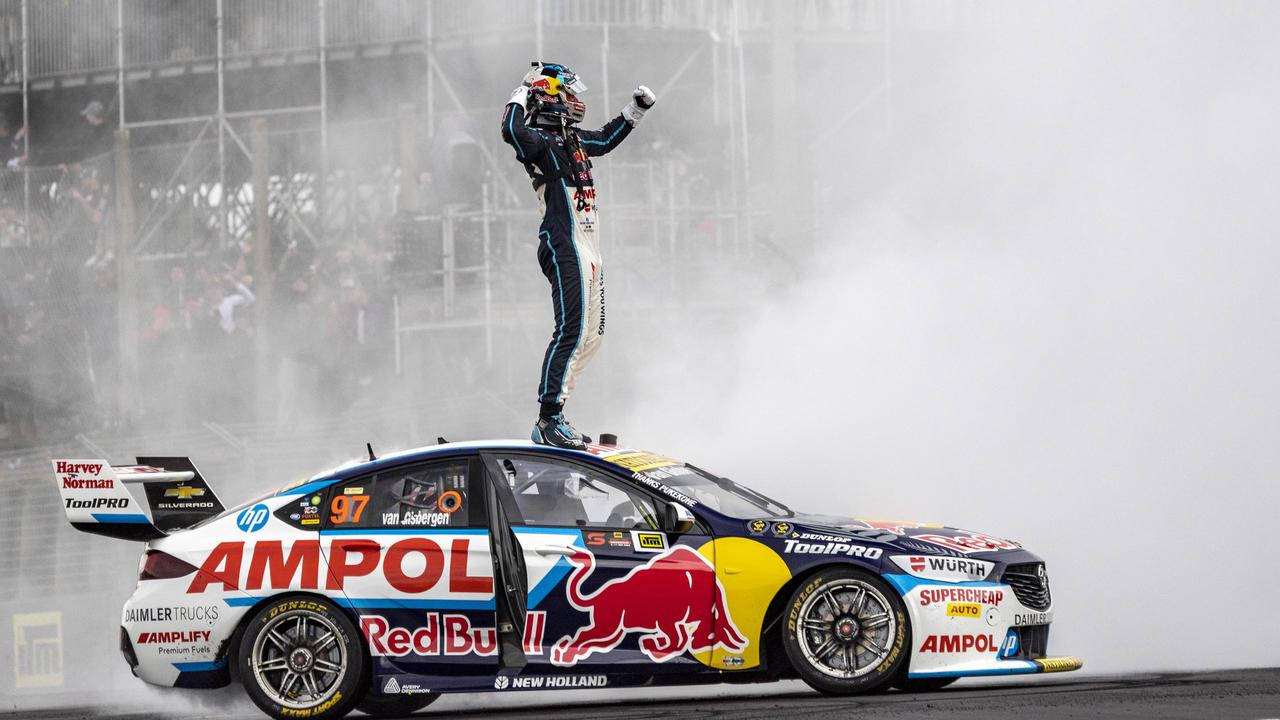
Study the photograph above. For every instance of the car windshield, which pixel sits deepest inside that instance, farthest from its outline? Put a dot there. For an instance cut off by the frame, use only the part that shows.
(722, 494)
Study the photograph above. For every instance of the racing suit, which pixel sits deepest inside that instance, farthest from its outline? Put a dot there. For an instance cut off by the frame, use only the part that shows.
(568, 238)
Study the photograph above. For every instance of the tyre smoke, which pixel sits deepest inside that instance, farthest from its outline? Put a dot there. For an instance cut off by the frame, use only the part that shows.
(1053, 319)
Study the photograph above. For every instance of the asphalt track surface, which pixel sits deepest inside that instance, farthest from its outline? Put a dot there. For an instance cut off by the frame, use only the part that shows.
(1224, 695)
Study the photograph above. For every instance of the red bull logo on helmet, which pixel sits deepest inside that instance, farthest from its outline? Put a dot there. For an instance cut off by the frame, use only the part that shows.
(550, 85)
(674, 601)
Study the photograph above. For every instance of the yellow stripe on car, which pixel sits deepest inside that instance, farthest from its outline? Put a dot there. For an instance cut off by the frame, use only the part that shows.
(751, 574)
(1059, 664)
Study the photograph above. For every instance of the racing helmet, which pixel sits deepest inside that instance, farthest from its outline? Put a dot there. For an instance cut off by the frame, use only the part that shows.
(553, 96)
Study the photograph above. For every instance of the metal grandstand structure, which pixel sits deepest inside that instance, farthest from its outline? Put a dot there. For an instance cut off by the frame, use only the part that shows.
(216, 48)
(325, 122)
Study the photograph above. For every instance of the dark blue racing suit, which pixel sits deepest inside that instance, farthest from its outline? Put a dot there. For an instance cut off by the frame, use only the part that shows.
(568, 239)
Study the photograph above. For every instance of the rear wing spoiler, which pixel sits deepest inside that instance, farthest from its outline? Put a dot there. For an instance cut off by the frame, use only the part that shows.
(134, 502)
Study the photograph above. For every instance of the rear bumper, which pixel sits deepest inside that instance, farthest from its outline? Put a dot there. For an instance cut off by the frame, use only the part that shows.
(203, 675)
(126, 649)
(196, 674)
(173, 639)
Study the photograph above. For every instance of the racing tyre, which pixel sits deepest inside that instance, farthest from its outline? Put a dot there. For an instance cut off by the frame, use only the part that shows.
(301, 657)
(846, 632)
(394, 706)
(922, 685)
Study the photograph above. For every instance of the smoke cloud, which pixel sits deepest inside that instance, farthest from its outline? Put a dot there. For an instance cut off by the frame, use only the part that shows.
(1053, 321)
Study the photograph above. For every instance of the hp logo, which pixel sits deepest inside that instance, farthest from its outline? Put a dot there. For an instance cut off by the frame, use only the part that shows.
(1009, 648)
(252, 519)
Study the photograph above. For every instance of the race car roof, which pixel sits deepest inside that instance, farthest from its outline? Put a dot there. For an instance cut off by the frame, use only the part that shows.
(359, 466)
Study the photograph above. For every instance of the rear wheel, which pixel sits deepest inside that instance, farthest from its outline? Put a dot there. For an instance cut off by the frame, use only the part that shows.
(300, 657)
(393, 706)
(846, 631)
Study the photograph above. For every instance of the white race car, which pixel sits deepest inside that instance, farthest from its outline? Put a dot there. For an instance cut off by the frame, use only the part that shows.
(500, 566)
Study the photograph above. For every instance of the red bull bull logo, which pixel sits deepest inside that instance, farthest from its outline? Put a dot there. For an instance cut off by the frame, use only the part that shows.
(674, 600)
(550, 85)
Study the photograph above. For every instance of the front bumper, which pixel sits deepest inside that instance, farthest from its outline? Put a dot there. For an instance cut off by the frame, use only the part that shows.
(973, 629)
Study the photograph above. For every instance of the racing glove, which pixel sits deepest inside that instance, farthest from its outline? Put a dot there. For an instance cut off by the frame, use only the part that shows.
(520, 96)
(641, 100)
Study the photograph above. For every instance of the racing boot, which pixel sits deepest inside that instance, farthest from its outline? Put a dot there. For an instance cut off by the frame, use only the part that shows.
(557, 432)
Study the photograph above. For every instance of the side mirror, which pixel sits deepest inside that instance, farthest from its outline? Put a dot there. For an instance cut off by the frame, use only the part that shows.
(677, 519)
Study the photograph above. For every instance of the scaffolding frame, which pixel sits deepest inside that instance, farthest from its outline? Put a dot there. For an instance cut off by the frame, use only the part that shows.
(722, 30)
(728, 26)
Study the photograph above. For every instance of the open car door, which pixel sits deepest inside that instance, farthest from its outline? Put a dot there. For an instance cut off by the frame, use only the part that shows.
(511, 591)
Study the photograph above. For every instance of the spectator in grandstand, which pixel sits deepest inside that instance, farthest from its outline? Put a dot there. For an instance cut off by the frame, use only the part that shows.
(300, 346)
(88, 215)
(344, 324)
(12, 157)
(218, 339)
(160, 327)
(17, 298)
(12, 148)
(96, 138)
(240, 258)
(287, 267)
(235, 294)
(178, 290)
(93, 114)
(296, 319)
(13, 232)
(65, 141)
(170, 310)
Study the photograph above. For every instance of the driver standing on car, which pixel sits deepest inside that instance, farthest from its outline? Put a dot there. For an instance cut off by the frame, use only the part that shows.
(540, 122)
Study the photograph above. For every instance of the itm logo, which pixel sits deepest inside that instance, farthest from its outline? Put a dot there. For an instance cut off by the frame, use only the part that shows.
(37, 650)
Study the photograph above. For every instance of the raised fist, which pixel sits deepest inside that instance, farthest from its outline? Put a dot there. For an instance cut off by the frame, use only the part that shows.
(641, 100)
(644, 97)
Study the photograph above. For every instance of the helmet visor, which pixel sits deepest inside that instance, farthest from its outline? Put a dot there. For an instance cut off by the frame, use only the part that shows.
(574, 84)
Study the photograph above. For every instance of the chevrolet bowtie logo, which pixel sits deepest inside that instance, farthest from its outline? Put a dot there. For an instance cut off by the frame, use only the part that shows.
(183, 492)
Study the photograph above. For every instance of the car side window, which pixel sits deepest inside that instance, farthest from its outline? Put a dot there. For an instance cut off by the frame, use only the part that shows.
(551, 493)
(429, 495)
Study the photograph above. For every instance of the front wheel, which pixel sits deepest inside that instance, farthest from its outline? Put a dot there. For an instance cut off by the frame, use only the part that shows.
(394, 706)
(301, 657)
(846, 631)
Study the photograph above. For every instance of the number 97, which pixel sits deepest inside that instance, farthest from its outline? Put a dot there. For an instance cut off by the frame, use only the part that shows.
(347, 508)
